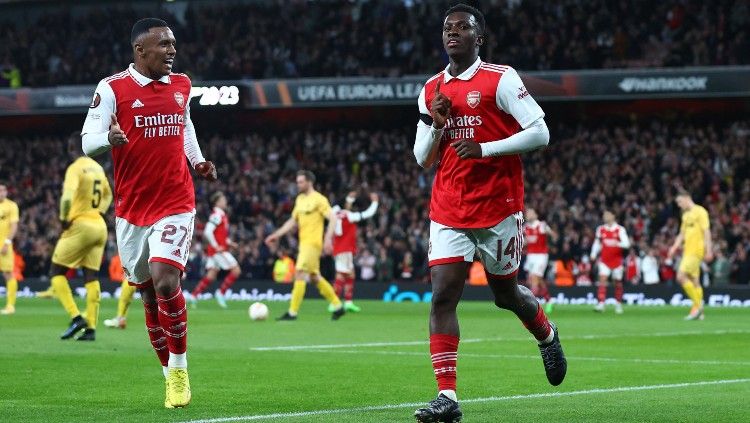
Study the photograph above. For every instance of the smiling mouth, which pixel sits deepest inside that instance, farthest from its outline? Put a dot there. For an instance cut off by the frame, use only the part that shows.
(452, 43)
(169, 62)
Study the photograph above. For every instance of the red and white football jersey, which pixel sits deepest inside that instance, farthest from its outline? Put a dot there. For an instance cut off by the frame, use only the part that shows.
(152, 179)
(489, 103)
(612, 239)
(220, 221)
(345, 236)
(535, 235)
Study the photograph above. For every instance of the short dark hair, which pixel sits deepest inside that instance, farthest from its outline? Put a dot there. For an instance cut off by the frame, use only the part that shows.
(215, 197)
(143, 26)
(307, 174)
(462, 7)
(682, 192)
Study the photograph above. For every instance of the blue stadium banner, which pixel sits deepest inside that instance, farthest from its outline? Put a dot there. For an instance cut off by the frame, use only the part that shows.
(585, 85)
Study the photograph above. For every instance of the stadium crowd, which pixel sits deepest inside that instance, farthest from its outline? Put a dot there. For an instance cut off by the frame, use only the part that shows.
(630, 168)
(226, 40)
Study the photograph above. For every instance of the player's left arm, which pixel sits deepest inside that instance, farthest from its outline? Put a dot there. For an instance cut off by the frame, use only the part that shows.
(12, 228)
(624, 239)
(330, 214)
(707, 240)
(553, 235)
(193, 150)
(512, 98)
(367, 213)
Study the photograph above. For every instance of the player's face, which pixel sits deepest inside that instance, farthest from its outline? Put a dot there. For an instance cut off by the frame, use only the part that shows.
(460, 34)
(531, 215)
(221, 202)
(3, 192)
(608, 217)
(157, 50)
(303, 185)
(682, 202)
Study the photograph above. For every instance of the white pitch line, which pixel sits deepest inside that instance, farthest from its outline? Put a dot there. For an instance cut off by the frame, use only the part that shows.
(536, 357)
(281, 416)
(498, 339)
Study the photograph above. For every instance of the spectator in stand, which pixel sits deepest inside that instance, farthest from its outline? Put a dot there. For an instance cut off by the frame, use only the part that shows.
(384, 266)
(741, 265)
(228, 39)
(366, 263)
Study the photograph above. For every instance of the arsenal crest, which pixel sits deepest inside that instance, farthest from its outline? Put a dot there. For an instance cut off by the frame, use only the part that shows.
(473, 98)
(180, 99)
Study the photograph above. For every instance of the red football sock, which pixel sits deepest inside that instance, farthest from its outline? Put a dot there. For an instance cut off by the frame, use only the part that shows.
(228, 281)
(173, 320)
(338, 286)
(601, 293)
(618, 291)
(156, 333)
(444, 353)
(544, 292)
(539, 326)
(348, 288)
(203, 284)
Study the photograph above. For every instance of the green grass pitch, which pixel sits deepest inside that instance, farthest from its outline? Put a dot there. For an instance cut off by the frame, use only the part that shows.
(647, 365)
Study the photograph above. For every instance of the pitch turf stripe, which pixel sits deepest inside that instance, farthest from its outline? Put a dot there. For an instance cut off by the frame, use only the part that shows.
(536, 357)
(281, 416)
(498, 339)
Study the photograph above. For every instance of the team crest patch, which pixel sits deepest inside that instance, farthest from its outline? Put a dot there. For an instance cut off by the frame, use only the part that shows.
(473, 98)
(180, 99)
(95, 101)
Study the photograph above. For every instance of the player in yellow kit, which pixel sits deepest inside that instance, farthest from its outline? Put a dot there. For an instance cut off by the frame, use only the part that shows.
(8, 227)
(695, 234)
(86, 196)
(311, 209)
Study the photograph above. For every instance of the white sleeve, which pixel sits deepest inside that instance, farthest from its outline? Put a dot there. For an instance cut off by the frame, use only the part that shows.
(95, 131)
(427, 141)
(597, 247)
(208, 233)
(624, 240)
(369, 212)
(513, 98)
(192, 149)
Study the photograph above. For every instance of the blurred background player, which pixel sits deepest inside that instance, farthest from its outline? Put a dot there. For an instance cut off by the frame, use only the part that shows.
(611, 240)
(8, 227)
(475, 120)
(86, 196)
(116, 274)
(216, 234)
(535, 233)
(311, 209)
(345, 246)
(142, 115)
(283, 267)
(696, 243)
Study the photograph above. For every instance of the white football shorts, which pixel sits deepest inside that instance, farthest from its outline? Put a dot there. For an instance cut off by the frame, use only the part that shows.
(499, 246)
(166, 241)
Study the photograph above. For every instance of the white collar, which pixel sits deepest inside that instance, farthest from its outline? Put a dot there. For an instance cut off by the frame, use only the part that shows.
(145, 80)
(465, 75)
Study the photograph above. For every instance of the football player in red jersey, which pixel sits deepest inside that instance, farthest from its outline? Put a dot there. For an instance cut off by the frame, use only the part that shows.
(142, 116)
(609, 245)
(345, 247)
(535, 233)
(218, 256)
(475, 120)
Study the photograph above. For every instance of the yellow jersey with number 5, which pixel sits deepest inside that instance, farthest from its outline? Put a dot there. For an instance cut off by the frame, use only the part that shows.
(310, 212)
(87, 188)
(694, 224)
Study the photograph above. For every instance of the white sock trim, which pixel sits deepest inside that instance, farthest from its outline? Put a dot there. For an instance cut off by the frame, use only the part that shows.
(178, 360)
(449, 393)
(549, 338)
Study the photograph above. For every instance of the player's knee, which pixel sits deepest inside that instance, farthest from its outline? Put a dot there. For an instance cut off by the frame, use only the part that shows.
(166, 283)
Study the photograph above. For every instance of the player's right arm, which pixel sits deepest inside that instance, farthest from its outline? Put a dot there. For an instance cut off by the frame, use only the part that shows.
(100, 130)
(70, 185)
(106, 195)
(597, 247)
(208, 232)
(12, 228)
(676, 245)
(287, 227)
(430, 126)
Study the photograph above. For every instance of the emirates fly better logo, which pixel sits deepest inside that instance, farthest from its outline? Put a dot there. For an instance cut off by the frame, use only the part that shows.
(473, 98)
